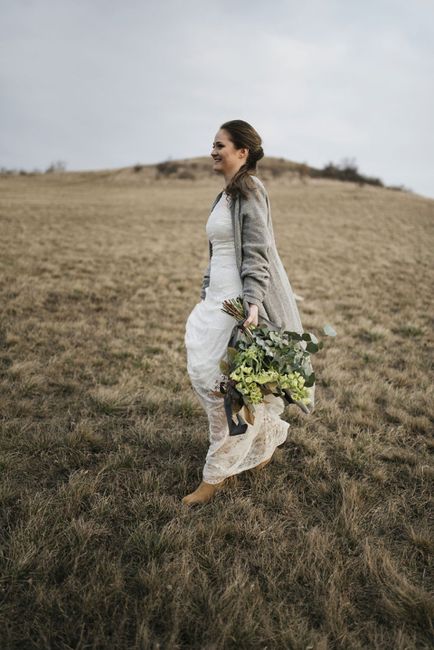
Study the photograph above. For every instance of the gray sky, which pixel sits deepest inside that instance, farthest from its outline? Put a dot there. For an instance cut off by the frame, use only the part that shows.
(102, 84)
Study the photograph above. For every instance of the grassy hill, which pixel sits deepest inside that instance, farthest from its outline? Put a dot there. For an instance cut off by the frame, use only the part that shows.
(200, 168)
(331, 546)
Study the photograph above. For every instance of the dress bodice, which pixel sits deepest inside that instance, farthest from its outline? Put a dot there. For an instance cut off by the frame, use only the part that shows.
(219, 228)
(224, 276)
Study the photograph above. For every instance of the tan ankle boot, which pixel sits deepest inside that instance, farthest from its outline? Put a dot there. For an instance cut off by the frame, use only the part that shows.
(203, 493)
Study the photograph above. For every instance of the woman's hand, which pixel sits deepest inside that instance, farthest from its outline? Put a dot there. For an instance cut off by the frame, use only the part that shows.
(253, 315)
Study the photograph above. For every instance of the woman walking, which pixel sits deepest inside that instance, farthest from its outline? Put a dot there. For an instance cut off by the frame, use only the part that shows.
(243, 260)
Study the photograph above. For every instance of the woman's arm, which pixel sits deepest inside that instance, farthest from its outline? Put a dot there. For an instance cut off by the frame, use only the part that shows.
(256, 242)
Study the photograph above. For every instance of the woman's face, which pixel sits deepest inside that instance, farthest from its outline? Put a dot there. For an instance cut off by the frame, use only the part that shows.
(227, 159)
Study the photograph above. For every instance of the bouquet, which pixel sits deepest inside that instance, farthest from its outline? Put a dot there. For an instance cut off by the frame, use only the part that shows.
(264, 361)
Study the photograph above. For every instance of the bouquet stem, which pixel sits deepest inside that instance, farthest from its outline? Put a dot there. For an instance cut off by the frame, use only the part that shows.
(235, 308)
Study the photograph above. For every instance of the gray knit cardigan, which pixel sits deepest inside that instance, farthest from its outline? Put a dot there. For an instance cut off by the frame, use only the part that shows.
(264, 279)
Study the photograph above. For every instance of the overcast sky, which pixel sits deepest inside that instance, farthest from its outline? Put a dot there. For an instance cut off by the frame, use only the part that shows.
(102, 84)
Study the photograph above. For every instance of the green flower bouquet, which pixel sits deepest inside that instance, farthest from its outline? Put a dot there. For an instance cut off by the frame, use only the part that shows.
(262, 360)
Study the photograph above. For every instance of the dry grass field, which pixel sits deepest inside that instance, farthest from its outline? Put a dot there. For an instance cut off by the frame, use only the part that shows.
(330, 546)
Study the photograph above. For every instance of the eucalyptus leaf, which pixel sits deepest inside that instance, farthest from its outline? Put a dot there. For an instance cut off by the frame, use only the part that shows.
(295, 336)
(328, 330)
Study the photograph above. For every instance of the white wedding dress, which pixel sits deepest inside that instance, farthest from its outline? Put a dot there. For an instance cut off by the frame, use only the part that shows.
(207, 334)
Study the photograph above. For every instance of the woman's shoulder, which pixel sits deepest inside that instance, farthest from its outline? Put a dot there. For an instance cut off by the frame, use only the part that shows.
(260, 189)
(258, 183)
(257, 180)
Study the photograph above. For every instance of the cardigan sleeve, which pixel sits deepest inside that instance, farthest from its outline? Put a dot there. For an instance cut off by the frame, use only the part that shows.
(205, 282)
(256, 242)
(206, 275)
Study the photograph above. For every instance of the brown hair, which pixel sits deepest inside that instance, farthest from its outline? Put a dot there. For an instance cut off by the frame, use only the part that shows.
(242, 134)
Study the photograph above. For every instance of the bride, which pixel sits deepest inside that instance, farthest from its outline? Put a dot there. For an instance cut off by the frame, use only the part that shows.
(243, 260)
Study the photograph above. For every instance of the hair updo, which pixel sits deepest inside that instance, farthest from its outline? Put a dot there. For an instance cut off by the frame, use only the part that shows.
(242, 134)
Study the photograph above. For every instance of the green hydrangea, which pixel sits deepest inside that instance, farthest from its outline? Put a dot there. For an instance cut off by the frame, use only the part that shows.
(266, 376)
(253, 352)
(241, 372)
(294, 382)
(265, 360)
(250, 376)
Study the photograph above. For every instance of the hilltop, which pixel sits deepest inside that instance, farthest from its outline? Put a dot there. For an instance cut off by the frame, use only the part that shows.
(200, 169)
